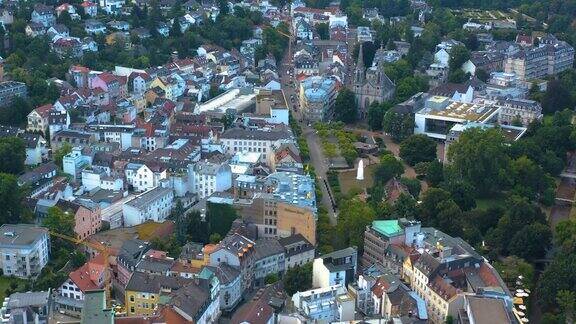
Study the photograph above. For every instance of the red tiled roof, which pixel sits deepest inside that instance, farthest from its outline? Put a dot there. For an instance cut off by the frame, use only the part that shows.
(63, 7)
(143, 75)
(280, 155)
(155, 166)
(172, 317)
(380, 287)
(88, 4)
(179, 267)
(108, 77)
(68, 99)
(122, 79)
(442, 288)
(301, 76)
(156, 254)
(67, 42)
(86, 277)
(98, 91)
(44, 110)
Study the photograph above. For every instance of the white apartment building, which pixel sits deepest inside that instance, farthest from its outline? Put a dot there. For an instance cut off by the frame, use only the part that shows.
(143, 177)
(154, 205)
(98, 178)
(23, 249)
(261, 141)
(336, 268)
(207, 178)
(329, 304)
(297, 250)
(523, 111)
(74, 162)
(121, 134)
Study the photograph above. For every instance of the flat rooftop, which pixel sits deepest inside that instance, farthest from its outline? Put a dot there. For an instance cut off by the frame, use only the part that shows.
(488, 310)
(21, 234)
(512, 133)
(463, 111)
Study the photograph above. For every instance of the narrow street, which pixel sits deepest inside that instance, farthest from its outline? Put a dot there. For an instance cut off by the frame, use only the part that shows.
(316, 157)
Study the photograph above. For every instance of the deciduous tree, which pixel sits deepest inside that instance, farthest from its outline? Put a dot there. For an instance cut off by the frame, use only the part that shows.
(418, 148)
(12, 155)
(345, 106)
(479, 157)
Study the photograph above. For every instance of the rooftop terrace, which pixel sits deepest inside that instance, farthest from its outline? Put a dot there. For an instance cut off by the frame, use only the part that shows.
(472, 112)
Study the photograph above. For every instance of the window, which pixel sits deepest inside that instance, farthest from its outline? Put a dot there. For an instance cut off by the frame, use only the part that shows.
(132, 298)
(131, 309)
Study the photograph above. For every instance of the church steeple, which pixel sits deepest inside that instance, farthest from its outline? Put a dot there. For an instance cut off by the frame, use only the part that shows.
(360, 62)
(360, 70)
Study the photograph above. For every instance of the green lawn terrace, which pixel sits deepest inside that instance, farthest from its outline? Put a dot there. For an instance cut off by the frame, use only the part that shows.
(348, 179)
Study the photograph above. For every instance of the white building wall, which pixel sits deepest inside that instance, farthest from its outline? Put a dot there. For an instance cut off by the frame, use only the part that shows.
(299, 259)
(156, 211)
(114, 185)
(320, 274)
(33, 156)
(279, 116)
(223, 256)
(234, 290)
(70, 290)
(90, 180)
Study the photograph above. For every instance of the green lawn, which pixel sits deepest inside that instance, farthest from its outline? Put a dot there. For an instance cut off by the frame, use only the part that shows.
(5, 284)
(348, 179)
(486, 203)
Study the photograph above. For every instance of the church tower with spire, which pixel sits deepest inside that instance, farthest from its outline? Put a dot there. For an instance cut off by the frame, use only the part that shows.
(370, 85)
(359, 72)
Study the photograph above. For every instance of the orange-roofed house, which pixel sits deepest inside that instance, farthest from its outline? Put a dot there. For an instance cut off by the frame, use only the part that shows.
(71, 293)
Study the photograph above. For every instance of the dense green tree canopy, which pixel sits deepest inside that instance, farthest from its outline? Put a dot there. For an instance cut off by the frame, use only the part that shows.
(399, 126)
(220, 217)
(12, 155)
(298, 279)
(479, 157)
(418, 148)
(388, 168)
(11, 198)
(531, 242)
(345, 107)
(353, 217)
